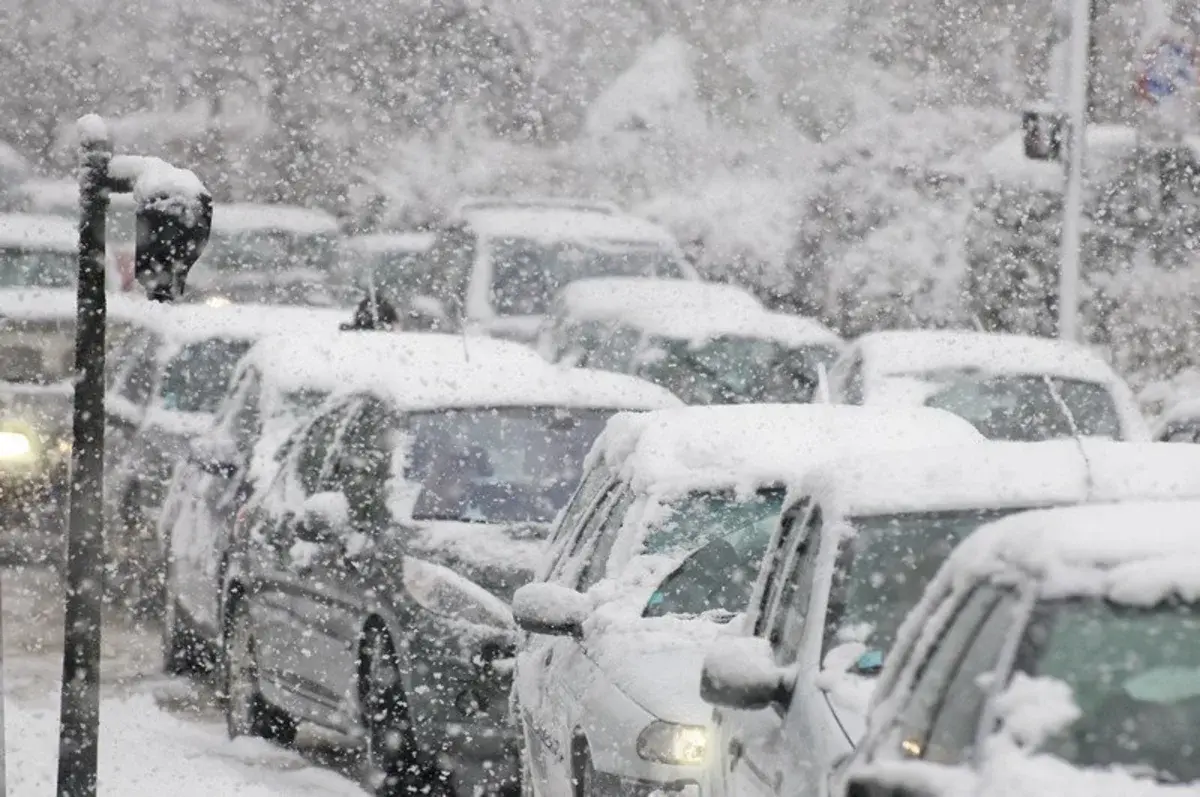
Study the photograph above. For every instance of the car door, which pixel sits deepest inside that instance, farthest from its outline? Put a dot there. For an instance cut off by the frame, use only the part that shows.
(335, 581)
(280, 601)
(544, 725)
(756, 748)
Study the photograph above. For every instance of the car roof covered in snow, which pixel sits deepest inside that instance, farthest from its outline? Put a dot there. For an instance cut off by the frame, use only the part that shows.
(917, 352)
(462, 371)
(189, 323)
(384, 242)
(565, 224)
(1136, 552)
(38, 232)
(750, 446)
(685, 309)
(1004, 475)
(240, 217)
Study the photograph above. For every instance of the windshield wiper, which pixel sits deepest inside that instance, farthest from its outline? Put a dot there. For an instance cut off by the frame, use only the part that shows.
(451, 518)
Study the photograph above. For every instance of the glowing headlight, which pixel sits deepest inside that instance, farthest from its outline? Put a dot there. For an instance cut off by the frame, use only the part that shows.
(64, 447)
(668, 743)
(14, 445)
(217, 301)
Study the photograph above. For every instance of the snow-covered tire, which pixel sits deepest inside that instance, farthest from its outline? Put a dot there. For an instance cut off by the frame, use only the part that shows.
(247, 713)
(391, 764)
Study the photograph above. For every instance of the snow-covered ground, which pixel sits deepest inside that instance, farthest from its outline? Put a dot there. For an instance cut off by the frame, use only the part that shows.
(158, 735)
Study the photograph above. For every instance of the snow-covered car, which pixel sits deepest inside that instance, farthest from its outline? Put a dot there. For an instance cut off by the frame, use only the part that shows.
(1055, 652)
(270, 254)
(280, 383)
(855, 548)
(167, 381)
(369, 592)
(497, 266)
(1180, 423)
(654, 555)
(1012, 387)
(707, 343)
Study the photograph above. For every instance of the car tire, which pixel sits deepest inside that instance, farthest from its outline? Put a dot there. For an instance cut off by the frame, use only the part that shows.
(391, 765)
(247, 713)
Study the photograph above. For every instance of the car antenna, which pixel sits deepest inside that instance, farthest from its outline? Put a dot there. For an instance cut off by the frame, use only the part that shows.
(1070, 416)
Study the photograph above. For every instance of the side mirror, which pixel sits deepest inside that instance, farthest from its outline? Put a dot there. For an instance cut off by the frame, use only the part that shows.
(740, 673)
(323, 517)
(216, 456)
(550, 609)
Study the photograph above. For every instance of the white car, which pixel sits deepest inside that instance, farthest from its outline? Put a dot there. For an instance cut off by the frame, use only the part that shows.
(1012, 387)
(1055, 653)
(856, 546)
(652, 558)
(497, 265)
(708, 343)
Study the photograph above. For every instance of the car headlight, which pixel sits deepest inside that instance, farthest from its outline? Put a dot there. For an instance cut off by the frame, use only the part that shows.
(15, 445)
(668, 743)
(217, 301)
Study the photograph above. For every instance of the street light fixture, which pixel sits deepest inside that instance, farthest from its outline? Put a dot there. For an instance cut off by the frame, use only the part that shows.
(174, 216)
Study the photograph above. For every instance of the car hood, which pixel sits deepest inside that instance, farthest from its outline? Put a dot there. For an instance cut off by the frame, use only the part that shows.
(498, 557)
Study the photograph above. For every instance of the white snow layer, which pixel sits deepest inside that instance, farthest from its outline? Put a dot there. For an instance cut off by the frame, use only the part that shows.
(37, 232)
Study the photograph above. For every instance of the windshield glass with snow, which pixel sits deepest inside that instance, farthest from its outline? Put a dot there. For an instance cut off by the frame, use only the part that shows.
(1135, 676)
(507, 465)
(726, 537)
(736, 370)
(1014, 407)
(883, 568)
(198, 376)
(22, 269)
(527, 274)
(270, 250)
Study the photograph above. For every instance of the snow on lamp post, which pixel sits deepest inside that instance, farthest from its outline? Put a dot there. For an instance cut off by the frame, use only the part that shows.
(174, 217)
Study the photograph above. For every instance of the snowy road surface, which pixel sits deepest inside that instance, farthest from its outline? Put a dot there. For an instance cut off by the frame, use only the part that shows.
(159, 735)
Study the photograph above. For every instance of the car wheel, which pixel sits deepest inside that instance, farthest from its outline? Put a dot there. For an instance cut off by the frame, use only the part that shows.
(247, 713)
(391, 763)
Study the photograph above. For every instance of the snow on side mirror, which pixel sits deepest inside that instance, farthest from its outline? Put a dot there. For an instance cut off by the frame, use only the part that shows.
(174, 218)
(550, 609)
(740, 673)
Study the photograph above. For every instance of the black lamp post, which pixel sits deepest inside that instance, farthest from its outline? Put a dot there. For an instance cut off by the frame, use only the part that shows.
(174, 216)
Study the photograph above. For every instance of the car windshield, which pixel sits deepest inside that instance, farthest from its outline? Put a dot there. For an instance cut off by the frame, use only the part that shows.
(507, 465)
(737, 370)
(1135, 676)
(883, 568)
(396, 272)
(526, 274)
(29, 269)
(303, 403)
(270, 250)
(1014, 407)
(197, 377)
(725, 537)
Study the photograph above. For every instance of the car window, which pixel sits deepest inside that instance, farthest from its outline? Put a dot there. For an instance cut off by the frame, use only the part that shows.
(138, 382)
(787, 624)
(854, 380)
(614, 351)
(315, 448)
(956, 725)
(197, 377)
(933, 674)
(361, 463)
(606, 537)
(774, 563)
(246, 423)
(1182, 433)
(450, 263)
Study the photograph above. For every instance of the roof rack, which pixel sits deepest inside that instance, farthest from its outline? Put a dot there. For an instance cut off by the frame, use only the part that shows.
(550, 203)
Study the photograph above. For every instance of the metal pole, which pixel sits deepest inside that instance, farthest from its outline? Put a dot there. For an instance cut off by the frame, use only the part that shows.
(79, 722)
(3, 697)
(1072, 232)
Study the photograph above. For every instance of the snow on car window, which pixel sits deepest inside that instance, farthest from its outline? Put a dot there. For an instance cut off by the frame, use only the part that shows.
(883, 568)
(499, 465)
(270, 250)
(1026, 408)
(527, 274)
(198, 376)
(22, 269)
(1135, 675)
(734, 370)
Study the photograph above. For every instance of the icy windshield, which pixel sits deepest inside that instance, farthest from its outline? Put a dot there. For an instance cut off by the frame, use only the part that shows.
(526, 274)
(270, 250)
(883, 567)
(726, 538)
(32, 269)
(1135, 676)
(505, 465)
(737, 370)
(1015, 407)
(198, 376)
